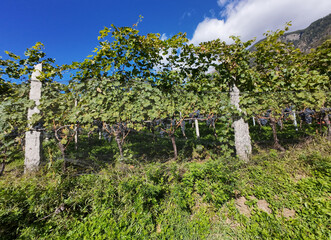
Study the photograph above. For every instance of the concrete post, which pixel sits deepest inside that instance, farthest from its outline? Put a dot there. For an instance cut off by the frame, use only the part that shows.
(241, 129)
(33, 147)
(197, 128)
(76, 129)
(295, 121)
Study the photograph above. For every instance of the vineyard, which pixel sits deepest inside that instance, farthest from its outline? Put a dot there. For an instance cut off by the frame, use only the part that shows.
(141, 107)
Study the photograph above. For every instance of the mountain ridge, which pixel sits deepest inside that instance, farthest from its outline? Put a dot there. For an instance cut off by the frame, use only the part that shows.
(311, 37)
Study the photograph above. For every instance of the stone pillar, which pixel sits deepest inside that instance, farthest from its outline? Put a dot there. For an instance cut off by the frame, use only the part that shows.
(33, 145)
(241, 130)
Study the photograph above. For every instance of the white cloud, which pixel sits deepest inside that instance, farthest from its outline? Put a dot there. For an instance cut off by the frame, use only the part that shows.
(187, 14)
(212, 13)
(221, 3)
(252, 18)
(163, 37)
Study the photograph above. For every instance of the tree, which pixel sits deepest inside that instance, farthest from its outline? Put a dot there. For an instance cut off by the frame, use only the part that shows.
(319, 60)
(231, 64)
(108, 79)
(14, 96)
(281, 79)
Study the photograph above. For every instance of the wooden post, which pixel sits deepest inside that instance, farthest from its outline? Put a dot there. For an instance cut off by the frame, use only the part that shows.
(241, 129)
(33, 144)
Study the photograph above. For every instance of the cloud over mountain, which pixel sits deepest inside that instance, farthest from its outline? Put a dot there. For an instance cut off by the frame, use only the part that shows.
(251, 18)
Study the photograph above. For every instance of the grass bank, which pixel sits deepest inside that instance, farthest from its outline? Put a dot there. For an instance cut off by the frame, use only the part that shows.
(274, 196)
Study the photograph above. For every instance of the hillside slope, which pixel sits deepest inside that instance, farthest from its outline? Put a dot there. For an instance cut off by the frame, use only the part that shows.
(311, 37)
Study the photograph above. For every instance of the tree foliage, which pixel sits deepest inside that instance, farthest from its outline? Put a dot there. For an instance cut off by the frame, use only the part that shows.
(133, 79)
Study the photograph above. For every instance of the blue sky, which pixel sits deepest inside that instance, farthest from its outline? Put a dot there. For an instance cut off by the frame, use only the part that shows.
(69, 28)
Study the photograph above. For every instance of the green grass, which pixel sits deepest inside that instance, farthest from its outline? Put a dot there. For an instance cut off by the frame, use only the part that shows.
(298, 180)
(192, 198)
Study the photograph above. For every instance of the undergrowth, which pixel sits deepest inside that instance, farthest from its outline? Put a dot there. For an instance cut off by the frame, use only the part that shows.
(175, 200)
